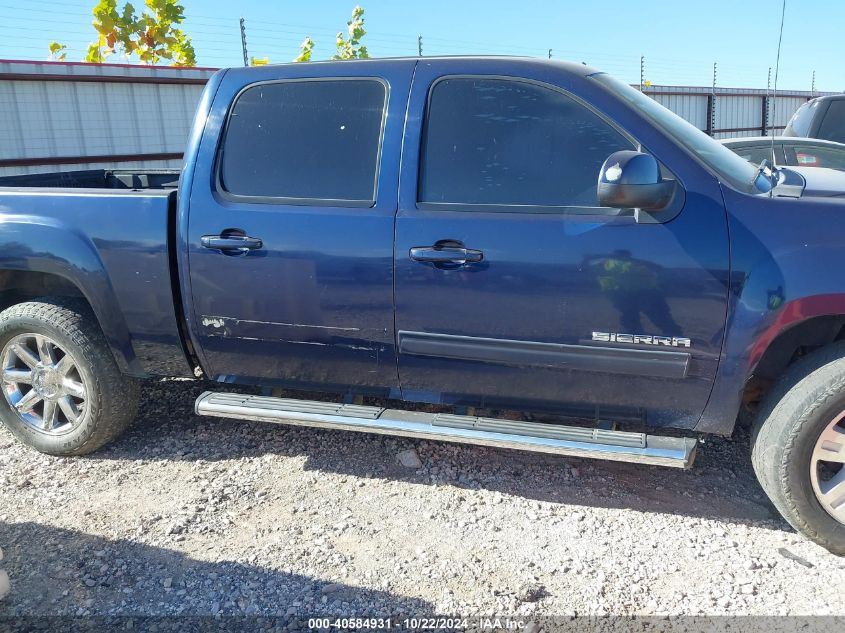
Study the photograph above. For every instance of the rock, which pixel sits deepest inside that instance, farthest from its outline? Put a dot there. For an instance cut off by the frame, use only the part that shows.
(330, 588)
(409, 459)
(531, 592)
(167, 583)
(801, 561)
(5, 584)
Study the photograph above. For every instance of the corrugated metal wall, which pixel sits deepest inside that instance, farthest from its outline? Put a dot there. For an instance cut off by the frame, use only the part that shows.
(57, 115)
(734, 111)
(63, 116)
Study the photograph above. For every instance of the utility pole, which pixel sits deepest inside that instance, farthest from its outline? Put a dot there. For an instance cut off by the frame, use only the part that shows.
(419, 45)
(813, 85)
(642, 72)
(243, 42)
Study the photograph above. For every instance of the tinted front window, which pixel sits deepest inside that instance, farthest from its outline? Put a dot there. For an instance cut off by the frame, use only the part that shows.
(833, 123)
(507, 142)
(305, 140)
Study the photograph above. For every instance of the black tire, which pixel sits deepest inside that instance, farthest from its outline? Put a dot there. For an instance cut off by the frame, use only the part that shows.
(809, 396)
(112, 398)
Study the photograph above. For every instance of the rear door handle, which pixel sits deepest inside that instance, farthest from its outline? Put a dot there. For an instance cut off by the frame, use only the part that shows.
(231, 243)
(445, 254)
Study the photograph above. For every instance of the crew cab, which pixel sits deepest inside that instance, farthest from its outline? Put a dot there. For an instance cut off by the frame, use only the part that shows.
(480, 233)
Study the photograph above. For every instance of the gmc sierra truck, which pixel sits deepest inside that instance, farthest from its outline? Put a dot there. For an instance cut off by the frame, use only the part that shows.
(479, 233)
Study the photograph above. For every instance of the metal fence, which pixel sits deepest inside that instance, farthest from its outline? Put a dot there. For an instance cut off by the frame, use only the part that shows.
(730, 112)
(63, 116)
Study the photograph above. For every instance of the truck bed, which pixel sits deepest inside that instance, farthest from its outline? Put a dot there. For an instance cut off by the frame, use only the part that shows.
(126, 179)
(107, 232)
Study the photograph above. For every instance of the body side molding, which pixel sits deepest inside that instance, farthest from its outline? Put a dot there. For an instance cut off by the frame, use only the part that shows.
(613, 360)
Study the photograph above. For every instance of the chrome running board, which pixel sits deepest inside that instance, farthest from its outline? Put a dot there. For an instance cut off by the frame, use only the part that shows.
(528, 436)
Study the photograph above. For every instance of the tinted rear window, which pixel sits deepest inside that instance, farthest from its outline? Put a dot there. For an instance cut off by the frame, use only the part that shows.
(833, 123)
(305, 140)
(816, 156)
(513, 143)
(799, 124)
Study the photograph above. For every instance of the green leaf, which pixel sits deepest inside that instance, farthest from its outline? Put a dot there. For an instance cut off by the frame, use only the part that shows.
(305, 50)
(151, 34)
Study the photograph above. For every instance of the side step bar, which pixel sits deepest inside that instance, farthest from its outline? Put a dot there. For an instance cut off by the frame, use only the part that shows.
(529, 436)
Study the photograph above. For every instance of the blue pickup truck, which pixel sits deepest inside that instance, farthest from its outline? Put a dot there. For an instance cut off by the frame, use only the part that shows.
(485, 234)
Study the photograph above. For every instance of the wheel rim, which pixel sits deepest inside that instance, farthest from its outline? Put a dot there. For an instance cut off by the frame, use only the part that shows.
(42, 384)
(827, 468)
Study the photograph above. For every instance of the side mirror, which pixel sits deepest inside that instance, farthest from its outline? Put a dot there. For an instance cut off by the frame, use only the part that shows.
(630, 179)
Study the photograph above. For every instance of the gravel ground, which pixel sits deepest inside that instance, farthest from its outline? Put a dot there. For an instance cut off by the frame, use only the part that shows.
(189, 515)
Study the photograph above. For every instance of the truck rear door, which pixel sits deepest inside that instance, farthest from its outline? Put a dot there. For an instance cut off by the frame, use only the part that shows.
(291, 226)
(510, 279)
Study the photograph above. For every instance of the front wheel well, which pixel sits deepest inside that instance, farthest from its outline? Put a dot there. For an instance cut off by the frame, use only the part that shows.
(790, 345)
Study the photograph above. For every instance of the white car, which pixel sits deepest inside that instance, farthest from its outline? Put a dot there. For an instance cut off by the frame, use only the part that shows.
(790, 151)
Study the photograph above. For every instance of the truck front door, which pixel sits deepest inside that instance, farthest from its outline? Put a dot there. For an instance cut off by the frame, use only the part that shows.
(291, 226)
(514, 288)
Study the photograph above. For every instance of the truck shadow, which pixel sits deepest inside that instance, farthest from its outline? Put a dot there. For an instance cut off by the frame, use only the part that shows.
(721, 485)
(56, 571)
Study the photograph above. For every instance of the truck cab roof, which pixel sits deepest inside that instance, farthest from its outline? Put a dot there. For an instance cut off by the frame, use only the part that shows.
(576, 68)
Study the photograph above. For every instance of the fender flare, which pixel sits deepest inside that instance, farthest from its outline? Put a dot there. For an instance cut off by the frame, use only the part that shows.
(739, 360)
(794, 313)
(49, 246)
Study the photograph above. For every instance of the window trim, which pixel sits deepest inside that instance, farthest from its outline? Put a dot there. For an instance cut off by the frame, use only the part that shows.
(516, 208)
(221, 191)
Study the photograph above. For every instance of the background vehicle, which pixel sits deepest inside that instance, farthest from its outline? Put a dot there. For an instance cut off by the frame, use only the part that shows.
(430, 230)
(822, 117)
(793, 151)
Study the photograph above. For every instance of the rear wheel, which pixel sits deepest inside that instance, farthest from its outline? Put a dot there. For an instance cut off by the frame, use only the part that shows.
(798, 447)
(63, 392)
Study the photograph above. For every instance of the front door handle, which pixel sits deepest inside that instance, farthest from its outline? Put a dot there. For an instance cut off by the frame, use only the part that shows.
(445, 254)
(231, 243)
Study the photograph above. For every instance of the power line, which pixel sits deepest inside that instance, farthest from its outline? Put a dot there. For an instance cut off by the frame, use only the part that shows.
(217, 38)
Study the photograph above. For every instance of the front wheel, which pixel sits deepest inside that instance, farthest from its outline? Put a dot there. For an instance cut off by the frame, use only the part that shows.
(798, 447)
(63, 392)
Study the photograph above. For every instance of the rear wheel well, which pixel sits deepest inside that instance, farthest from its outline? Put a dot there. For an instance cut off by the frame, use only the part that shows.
(790, 345)
(21, 285)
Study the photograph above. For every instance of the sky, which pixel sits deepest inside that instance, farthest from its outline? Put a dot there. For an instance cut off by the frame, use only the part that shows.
(680, 40)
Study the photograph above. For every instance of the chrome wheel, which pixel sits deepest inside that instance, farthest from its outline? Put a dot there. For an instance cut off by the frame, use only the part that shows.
(827, 468)
(42, 383)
